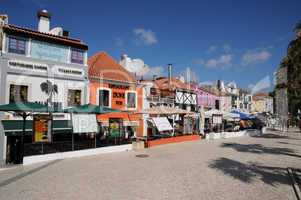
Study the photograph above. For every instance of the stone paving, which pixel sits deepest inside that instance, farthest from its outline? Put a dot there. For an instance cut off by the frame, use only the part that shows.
(236, 168)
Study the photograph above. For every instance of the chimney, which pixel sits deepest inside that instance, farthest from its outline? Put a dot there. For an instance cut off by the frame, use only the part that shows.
(3, 20)
(169, 73)
(44, 21)
(65, 33)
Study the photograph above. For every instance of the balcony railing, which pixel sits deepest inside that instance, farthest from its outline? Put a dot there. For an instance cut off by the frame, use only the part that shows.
(158, 99)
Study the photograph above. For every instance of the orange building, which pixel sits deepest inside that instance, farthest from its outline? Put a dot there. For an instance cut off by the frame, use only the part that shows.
(113, 86)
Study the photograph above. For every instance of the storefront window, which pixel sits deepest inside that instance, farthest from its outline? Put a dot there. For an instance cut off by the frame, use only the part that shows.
(131, 100)
(104, 98)
(16, 45)
(77, 56)
(74, 97)
(18, 93)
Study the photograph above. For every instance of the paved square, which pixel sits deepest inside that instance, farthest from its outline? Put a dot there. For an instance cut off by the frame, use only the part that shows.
(238, 168)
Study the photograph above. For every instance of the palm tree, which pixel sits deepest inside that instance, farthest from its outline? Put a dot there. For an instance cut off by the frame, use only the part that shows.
(49, 89)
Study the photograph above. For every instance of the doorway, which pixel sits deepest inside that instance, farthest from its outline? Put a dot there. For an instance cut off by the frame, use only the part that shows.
(13, 153)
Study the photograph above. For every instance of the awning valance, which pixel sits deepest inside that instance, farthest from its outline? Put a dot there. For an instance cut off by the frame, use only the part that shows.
(164, 110)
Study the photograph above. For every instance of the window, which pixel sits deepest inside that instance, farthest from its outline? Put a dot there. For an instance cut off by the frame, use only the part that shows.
(74, 97)
(18, 93)
(104, 98)
(131, 100)
(77, 56)
(16, 45)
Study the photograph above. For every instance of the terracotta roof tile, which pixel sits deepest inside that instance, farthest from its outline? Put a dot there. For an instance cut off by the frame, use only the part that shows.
(163, 84)
(103, 66)
(44, 36)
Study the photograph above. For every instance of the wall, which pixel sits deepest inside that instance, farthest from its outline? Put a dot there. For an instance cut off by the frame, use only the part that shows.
(131, 115)
(205, 98)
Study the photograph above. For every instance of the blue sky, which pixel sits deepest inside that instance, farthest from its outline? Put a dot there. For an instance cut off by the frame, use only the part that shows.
(235, 40)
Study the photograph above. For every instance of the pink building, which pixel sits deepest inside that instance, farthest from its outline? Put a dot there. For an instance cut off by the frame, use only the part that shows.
(205, 98)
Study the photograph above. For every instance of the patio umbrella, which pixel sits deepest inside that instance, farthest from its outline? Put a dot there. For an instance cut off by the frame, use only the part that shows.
(23, 109)
(90, 109)
(211, 112)
(242, 115)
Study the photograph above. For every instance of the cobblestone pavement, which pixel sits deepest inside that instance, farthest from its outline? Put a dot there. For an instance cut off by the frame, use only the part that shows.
(238, 168)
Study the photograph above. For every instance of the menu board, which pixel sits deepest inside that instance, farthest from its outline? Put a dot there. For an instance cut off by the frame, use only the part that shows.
(217, 119)
(42, 128)
(84, 123)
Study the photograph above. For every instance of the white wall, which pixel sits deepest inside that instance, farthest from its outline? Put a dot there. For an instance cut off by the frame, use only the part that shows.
(35, 93)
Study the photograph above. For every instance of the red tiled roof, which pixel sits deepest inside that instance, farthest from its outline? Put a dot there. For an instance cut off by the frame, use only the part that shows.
(12, 29)
(103, 66)
(163, 84)
(260, 96)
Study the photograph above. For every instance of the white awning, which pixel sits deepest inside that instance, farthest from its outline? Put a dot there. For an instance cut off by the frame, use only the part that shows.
(162, 124)
(164, 110)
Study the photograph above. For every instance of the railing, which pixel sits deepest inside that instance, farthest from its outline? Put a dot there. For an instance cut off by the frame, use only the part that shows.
(158, 99)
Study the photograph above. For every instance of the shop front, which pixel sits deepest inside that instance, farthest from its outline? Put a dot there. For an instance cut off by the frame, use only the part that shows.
(114, 87)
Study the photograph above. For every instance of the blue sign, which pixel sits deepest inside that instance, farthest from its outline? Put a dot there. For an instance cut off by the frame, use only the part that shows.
(48, 51)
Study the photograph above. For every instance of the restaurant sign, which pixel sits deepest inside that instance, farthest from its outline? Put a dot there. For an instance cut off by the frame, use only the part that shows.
(42, 128)
(47, 51)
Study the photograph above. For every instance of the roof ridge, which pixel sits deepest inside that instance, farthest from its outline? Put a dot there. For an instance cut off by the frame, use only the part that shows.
(43, 33)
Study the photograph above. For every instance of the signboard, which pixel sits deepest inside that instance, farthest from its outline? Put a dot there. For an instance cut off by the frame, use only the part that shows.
(217, 119)
(162, 124)
(47, 51)
(84, 123)
(42, 128)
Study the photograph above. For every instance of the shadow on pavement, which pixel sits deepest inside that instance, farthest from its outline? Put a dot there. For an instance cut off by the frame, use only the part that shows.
(289, 143)
(251, 171)
(260, 149)
(271, 135)
(22, 175)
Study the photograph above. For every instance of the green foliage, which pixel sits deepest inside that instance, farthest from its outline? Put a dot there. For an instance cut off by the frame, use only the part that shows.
(293, 64)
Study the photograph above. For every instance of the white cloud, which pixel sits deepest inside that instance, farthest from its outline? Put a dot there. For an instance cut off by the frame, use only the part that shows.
(261, 85)
(222, 61)
(147, 37)
(255, 57)
(227, 47)
(222, 48)
(138, 67)
(211, 48)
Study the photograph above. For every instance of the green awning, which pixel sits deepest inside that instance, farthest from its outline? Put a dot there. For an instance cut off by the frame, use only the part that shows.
(14, 127)
(91, 109)
(27, 107)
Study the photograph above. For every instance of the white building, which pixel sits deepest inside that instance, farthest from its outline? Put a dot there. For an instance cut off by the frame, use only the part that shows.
(31, 61)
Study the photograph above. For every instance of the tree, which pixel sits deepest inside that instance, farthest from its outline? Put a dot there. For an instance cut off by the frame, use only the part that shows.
(50, 89)
(293, 64)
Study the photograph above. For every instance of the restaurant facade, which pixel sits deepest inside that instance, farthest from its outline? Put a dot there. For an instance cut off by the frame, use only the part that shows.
(32, 62)
(113, 86)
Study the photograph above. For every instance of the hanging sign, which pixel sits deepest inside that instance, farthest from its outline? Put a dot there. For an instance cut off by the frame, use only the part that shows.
(42, 128)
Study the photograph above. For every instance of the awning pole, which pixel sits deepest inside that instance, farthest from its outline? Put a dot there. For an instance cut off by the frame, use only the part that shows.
(72, 136)
(22, 138)
(173, 125)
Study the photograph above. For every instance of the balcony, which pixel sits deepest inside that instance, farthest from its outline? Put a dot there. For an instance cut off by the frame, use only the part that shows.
(158, 99)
